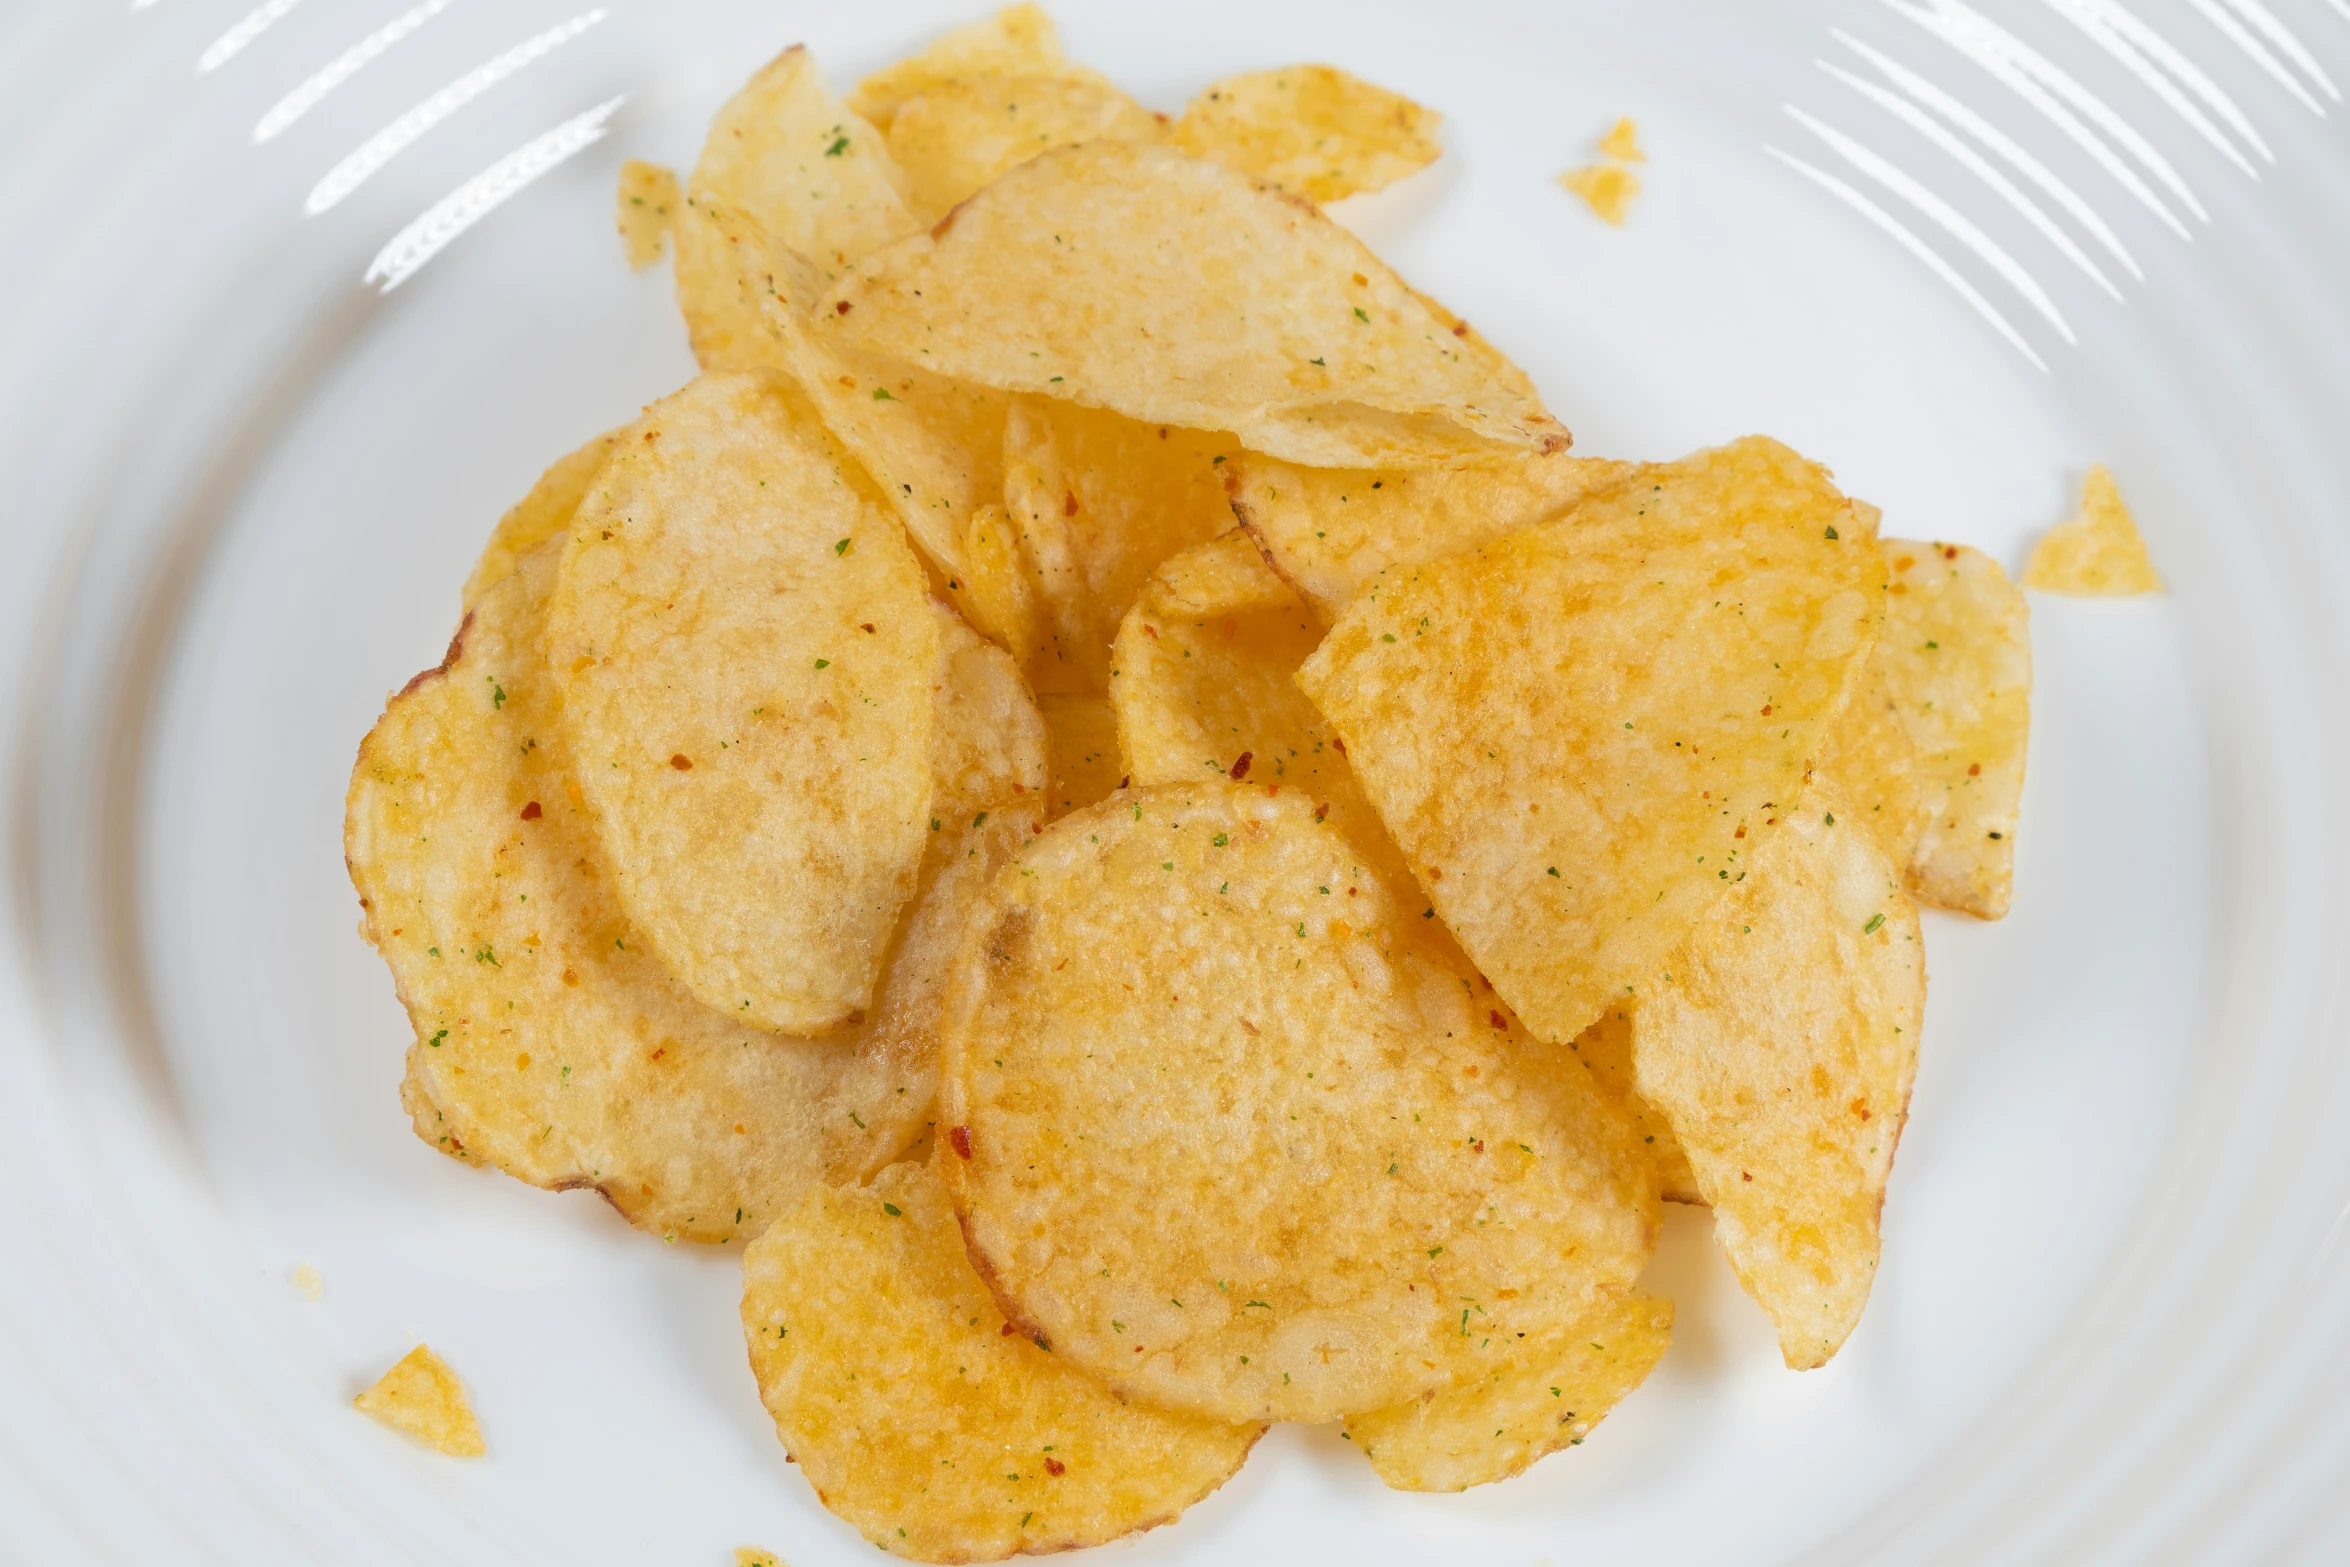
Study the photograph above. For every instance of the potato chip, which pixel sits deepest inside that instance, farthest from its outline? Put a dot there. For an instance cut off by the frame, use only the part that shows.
(959, 135)
(1331, 530)
(752, 1556)
(1606, 188)
(922, 1418)
(1100, 501)
(743, 651)
(421, 1397)
(1621, 144)
(988, 741)
(1606, 1048)
(1019, 40)
(2100, 553)
(649, 200)
(1231, 1133)
(549, 1042)
(1872, 763)
(1955, 662)
(933, 446)
(1783, 1049)
(545, 512)
(1536, 1398)
(1123, 275)
(1087, 765)
(1313, 129)
(1000, 590)
(1570, 731)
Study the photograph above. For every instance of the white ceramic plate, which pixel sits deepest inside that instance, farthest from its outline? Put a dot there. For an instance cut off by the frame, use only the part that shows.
(239, 490)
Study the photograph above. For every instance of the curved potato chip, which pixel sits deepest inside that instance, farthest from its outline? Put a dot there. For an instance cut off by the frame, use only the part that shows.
(421, 1397)
(1313, 129)
(1087, 765)
(1123, 275)
(546, 511)
(1783, 1051)
(1536, 1398)
(988, 741)
(960, 135)
(1000, 589)
(2100, 553)
(1330, 531)
(1100, 501)
(1019, 40)
(1570, 731)
(1229, 1132)
(921, 1418)
(1606, 1048)
(1955, 664)
(744, 653)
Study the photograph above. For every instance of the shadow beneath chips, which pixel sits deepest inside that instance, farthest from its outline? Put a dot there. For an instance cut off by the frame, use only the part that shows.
(1688, 1271)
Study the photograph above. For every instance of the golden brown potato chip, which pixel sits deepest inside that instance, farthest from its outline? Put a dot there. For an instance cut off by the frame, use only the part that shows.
(1955, 663)
(543, 513)
(1123, 275)
(1230, 1132)
(549, 1042)
(1330, 531)
(421, 1397)
(922, 1418)
(1019, 40)
(1570, 731)
(1087, 764)
(1000, 590)
(1606, 188)
(1312, 129)
(744, 652)
(2100, 553)
(1099, 502)
(1535, 1398)
(649, 200)
(988, 742)
(1606, 1048)
(959, 135)
(1783, 1049)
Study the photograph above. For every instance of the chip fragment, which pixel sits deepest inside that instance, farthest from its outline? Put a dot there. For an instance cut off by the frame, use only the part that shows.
(648, 204)
(422, 1398)
(1019, 40)
(1571, 731)
(1535, 1398)
(752, 1556)
(545, 512)
(1621, 144)
(1783, 1050)
(922, 1417)
(743, 650)
(1313, 129)
(1087, 764)
(1330, 531)
(959, 135)
(1232, 1133)
(2100, 553)
(1123, 275)
(1606, 188)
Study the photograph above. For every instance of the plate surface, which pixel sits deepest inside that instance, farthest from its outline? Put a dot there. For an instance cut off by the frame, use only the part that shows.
(1956, 252)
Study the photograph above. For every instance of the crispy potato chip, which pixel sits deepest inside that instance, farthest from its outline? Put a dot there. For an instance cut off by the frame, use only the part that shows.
(1019, 40)
(1087, 765)
(1955, 664)
(959, 135)
(1622, 143)
(1783, 1050)
(1570, 731)
(1606, 1048)
(421, 1397)
(549, 1042)
(1099, 502)
(922, 1418)
(1606, 188)
(1331, 530)
(2100, 553)
(988, 744)
(752, 1556)
(1000, 588)
(1123, 275)
(545, 512)
(1231, 1133)
(1313, 129)
(743, 651)
(649, 200)
(1536, 1398)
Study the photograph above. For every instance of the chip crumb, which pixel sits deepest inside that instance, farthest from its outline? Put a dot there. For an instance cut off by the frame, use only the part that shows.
(1622, 143)
(752, 1556)
(648, 203)
(1606, 188)
(306, 1279)
(2100, 553)
(421, 1397)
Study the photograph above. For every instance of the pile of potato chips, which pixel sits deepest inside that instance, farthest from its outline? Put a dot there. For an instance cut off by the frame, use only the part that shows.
(1101, 791)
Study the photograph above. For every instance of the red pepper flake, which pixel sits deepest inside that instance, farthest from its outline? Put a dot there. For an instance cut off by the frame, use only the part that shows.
(1272, 791)
(1055, 1468)
(842, 308)
(1460, 329)
(1741, 832)
(1069, 503)
(662, 1051)
(1011, 1331)
(1322, 813)
(1766, 710)
(1498, 1021)
(1240, 768)
(531, 812)
(1950, 552)
(1974, 770)
(1338, 745)
(1742, 1175)
(682, 762)
(960, 1136)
